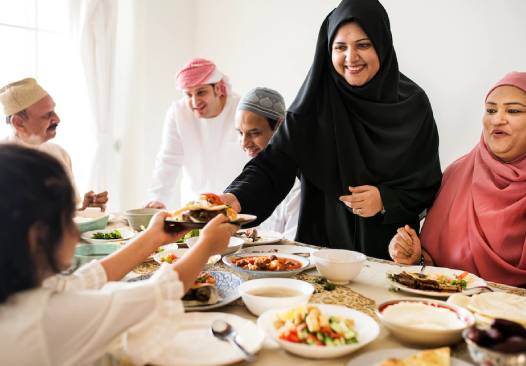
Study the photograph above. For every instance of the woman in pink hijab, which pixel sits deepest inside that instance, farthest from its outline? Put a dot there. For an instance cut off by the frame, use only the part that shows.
(478, 220)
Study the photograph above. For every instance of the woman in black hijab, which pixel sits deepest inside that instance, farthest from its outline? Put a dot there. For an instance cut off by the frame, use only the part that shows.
(356, 122)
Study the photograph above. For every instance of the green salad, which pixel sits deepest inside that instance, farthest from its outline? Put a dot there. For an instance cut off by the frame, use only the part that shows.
(115, 234)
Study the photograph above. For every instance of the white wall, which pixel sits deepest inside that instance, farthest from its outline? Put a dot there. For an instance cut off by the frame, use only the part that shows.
(455, 49)
(154, 39)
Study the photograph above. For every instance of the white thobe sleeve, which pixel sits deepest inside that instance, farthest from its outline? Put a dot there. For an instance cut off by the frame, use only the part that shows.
(291, 211)
(80, 325)
(168, 162)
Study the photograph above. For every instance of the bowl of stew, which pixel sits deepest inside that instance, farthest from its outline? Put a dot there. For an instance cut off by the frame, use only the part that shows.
(266, 264)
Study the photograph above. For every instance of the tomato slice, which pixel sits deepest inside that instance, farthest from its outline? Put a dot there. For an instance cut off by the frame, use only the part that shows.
(213, 198)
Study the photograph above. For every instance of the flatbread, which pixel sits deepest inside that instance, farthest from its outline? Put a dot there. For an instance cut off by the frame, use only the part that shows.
(210, 292)
(499, 305)
(433, 357)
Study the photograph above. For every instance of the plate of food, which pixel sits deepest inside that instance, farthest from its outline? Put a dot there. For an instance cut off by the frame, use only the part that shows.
(408, 357)
(171, 255)
(196, 214)
(107, 235)
(435, 281)
(267, 264)
(212, 290)
(258, 237)
(319, 331)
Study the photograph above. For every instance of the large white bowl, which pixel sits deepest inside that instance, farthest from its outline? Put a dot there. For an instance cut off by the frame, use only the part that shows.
(339, 266)
(233, 245)
(365, 326)
(427, 337)
(259, 304)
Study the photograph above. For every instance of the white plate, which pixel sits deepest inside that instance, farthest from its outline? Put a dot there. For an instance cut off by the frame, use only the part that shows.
(282, 248)
(266, 237)
(165, 248)
(365, 326)
(179, 253)
(192, 342)
(125, 233)
(261, 274)
(234, 244)
(227, 285)
(473, 281)
(377, 356)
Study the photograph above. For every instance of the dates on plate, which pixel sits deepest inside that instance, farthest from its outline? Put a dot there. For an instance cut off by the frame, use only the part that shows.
(502, 336)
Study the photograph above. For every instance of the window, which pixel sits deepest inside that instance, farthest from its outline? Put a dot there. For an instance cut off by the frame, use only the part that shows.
(36, 42)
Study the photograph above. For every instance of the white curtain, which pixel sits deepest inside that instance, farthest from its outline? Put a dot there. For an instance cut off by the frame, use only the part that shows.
(94, 28)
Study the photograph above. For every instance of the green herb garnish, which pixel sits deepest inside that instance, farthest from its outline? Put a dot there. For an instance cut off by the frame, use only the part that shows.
(115, 234)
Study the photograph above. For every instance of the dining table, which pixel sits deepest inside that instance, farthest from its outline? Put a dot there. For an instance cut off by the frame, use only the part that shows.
(364, 293)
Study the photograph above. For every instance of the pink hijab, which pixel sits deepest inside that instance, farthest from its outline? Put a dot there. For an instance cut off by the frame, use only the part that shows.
(478, 220)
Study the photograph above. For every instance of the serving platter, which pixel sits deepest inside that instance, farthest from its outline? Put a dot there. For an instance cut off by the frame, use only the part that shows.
(475, 284)
(172, 224)
(229, 261)
(227, 285)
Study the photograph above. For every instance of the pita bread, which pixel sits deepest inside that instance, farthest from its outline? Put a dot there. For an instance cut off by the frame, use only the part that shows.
(433, 357)
(499, 305)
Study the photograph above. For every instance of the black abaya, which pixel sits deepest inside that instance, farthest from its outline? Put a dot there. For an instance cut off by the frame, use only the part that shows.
(335, 136)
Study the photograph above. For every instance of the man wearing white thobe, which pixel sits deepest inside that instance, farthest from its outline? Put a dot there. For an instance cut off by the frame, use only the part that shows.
(199, 139)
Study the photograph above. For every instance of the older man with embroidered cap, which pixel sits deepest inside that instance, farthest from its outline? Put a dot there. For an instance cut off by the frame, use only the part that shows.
(30, 111)
(259, 114)
(198, 137)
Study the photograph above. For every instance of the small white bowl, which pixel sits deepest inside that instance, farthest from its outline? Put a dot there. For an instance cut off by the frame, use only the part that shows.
(139, 218)
(338, 266)
(233, 245)
(258, 304)
(421, 335)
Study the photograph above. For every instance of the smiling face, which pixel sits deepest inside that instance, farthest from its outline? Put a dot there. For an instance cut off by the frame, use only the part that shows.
(205, 101)
(353, 55)
(254, 132)
(40, 123)
(505, 123)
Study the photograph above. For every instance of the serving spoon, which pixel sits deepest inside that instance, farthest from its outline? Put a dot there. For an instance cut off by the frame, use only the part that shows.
(224, 331)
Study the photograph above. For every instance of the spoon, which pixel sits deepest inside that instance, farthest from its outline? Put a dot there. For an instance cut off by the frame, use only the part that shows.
(224, 331)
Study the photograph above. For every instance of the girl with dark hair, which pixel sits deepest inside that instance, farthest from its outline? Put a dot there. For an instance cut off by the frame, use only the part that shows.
(360, 135)
(51, 319)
